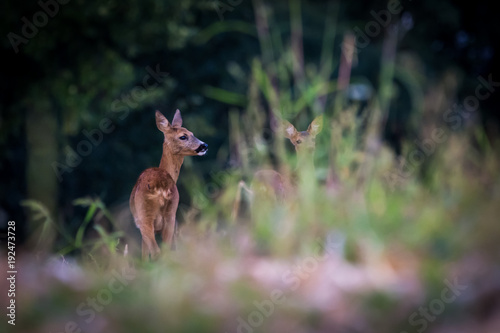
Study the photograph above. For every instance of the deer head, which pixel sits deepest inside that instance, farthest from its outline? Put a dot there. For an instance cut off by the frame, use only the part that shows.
(179, 140)
(305, 140)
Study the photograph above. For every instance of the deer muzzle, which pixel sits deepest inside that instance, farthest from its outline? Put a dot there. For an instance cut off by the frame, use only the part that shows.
(202, 149)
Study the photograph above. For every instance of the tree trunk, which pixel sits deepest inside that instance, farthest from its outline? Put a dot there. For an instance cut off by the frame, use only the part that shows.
(42, 149)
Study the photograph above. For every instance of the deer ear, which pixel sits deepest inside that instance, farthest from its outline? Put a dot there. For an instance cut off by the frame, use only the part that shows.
(161, 122)
(177, 121)
(316, 126)
(290, 130)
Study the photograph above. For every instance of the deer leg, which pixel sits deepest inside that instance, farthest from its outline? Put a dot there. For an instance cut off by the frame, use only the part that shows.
(168, 232)
(149, 245)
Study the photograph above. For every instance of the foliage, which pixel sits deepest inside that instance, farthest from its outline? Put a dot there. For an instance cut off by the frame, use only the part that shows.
(390, 214)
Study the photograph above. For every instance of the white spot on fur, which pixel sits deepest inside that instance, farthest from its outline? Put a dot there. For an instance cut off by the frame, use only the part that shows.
(165, 196)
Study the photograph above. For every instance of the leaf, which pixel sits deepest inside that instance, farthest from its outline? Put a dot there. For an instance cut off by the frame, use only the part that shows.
(41, 213)
(81, 229)
(226, 26)
(225, 96)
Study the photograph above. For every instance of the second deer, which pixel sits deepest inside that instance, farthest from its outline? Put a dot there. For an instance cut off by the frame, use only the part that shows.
(272, 184)
(154, 198)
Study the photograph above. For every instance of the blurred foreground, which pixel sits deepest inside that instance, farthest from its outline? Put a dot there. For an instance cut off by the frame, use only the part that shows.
(350, 255)
(391, 226)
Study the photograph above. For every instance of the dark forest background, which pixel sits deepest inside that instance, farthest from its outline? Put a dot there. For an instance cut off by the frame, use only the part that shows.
(89, 63)
(396, 215)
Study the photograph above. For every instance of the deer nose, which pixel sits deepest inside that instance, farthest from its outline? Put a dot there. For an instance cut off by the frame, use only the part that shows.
(202, 148)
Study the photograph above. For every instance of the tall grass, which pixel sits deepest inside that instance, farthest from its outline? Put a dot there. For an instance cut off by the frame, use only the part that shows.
(385, 250)
(52, 236)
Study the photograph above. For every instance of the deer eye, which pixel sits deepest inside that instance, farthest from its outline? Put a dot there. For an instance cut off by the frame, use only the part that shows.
(298, 142)
(183, 137)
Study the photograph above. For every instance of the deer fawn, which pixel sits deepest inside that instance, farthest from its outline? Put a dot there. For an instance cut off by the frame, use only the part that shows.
(272, 184)
(154, 199)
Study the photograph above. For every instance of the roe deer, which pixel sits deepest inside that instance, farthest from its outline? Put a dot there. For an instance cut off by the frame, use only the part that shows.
(272, 184)
(154, 199)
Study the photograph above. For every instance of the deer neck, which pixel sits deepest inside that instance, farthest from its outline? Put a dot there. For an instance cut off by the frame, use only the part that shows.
(171, 162)
(305, 160)
(305, 166)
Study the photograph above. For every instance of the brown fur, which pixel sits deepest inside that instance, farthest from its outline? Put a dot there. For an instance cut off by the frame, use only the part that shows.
(272, 185)
(279, 186)
(154, 198)
(305, 140)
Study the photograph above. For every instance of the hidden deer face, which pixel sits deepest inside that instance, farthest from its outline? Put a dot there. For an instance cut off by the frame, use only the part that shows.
(305, 140)
(179, 140)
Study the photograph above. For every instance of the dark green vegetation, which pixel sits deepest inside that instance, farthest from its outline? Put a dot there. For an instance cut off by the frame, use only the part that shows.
(395, 231)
